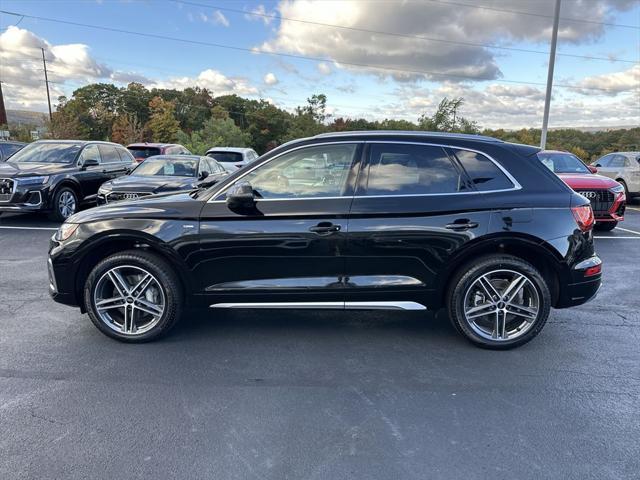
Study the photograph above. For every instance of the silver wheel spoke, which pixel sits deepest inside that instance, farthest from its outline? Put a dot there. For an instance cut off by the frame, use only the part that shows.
(142, 286)
(115, 302)
(522, 312)
(149, 307)
(120, 283)
(515, 286)
(488, 287)
(499, 326)
(481, 310)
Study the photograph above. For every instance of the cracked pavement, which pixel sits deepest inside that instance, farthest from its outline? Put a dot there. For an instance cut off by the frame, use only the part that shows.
(326, 395)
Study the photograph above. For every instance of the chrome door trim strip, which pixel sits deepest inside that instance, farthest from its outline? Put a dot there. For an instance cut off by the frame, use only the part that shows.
(325, 305)
(313, 305)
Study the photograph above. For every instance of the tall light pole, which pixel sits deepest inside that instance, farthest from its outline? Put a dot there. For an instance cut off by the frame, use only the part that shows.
(46, 82)
(552, 63)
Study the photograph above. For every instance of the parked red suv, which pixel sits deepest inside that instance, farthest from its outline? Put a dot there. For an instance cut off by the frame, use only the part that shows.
(606, 195)
(140, 151)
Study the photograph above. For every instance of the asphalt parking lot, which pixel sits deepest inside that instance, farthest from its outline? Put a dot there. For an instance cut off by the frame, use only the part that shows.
(326, 395)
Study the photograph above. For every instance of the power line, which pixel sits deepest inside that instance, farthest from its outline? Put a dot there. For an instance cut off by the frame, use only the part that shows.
(532, 14)
(290, 55)
(396, 34)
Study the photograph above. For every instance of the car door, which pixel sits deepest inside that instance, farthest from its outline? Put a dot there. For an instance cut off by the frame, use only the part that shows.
(91, 176)
(415, 205)
(632, 173)
(288, 246)
(604, 166)
(112, 164)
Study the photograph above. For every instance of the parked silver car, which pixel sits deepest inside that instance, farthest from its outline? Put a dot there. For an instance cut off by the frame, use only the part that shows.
(623, 167)
(232, 158)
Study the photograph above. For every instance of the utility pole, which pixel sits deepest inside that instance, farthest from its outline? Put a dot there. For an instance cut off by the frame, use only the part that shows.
(3, 112)
(46, 81)
(552, 62)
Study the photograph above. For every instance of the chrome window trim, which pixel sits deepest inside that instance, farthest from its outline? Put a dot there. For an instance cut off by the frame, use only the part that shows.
(514, 182)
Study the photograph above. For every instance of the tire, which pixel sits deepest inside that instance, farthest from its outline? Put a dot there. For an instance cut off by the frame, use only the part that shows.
(466, 292)
(64, 196)
(162, 294)
(605, 226)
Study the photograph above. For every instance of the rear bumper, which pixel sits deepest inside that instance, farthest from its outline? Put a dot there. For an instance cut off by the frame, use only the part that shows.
(581, 288)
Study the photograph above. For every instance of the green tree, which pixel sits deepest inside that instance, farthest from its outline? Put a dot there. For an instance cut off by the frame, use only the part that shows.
(134, 100)
(162, 123)
(267, 124)
(216, 132)
(447, 118)
(127, 129)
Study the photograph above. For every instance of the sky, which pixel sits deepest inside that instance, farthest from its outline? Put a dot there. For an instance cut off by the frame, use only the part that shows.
(372, 58)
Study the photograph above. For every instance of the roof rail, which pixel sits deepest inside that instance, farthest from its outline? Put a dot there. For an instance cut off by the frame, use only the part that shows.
(414, 133)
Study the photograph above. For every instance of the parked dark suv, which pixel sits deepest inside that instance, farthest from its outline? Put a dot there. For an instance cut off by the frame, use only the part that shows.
(361, 220)
(58, 176)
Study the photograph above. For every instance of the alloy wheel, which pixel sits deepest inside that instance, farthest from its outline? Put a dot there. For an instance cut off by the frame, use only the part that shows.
(129, 300)
(501, 305)
(67, 204)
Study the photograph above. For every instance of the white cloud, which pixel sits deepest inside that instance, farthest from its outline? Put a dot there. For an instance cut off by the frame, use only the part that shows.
(216, 18)
(324, 68)
(270, 79)
(217, 82)
(260, 14)
(612, 83)
(359, 44)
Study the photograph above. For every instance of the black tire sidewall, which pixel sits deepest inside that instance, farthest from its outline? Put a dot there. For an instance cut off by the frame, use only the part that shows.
(165, 276)
(55, 213)
(469, 273)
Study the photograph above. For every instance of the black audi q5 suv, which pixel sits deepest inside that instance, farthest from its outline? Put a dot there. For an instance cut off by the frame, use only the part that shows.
(359, 220)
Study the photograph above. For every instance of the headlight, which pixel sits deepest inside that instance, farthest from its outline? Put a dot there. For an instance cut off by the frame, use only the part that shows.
(617, 189)
(33, 180)
(65, 231)
(104, 191)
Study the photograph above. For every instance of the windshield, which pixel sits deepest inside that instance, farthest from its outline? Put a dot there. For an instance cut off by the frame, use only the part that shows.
(563, 162)
(144, 152)
(168, 168)
(228, 157)
(47, 153)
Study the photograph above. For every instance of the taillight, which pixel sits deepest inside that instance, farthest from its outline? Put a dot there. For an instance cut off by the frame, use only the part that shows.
(591, 271)
(584, 217)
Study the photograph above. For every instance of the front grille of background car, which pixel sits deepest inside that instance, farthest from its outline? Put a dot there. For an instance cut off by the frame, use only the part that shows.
(602, 202)
(7, 186)
(118, 196)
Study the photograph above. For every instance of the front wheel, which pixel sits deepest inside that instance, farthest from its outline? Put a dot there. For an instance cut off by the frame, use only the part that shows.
(65, 204)
(499, 302)
(605, 226)
(133, 296)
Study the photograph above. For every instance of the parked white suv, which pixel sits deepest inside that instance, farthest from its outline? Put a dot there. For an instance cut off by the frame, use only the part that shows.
(232, 158)
(623, 167)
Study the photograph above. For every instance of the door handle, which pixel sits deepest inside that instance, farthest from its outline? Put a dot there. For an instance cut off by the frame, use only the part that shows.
(325, 228)
(460, 225)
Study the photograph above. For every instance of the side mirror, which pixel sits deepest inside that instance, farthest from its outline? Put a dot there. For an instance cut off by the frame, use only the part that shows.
(241, 197)
(90, 162)
(592, 169)
(204, 174)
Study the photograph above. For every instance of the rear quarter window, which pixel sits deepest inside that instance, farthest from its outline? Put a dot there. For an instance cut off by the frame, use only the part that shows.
(484, 174)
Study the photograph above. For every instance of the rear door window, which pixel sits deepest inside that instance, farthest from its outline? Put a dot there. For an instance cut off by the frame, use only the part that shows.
(144, 152)
(109, 154)
(407, 169)
(228, 157)
(617, 161)
(484, 174)
(125, 155)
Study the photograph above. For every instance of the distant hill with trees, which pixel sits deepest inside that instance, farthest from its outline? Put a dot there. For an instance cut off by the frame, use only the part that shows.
(200, 120)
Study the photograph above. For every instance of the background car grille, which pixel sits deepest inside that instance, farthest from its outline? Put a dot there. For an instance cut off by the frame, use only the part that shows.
(118, 196)
(601, 200)
(7, 186)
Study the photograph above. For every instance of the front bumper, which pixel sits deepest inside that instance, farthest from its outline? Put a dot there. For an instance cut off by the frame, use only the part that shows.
(62, 274)
(27, 198)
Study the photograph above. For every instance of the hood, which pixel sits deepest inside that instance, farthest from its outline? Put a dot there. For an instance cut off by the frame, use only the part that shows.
(150, 184)
(587, 180)
(176, 205)
(26, 169)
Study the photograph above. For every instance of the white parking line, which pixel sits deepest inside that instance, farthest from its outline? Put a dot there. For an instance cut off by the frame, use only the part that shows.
(633, 208)
(627, 230)
(8, 227)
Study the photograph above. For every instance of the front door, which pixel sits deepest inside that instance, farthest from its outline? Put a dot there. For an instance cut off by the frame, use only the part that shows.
(287, 248)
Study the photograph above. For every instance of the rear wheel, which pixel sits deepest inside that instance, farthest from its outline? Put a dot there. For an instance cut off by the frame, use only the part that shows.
(605, 226)
(499, 302)
(133, 296)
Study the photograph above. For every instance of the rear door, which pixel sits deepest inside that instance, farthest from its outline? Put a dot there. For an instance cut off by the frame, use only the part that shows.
(289, 247)
(112, 163)
(415, 205)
